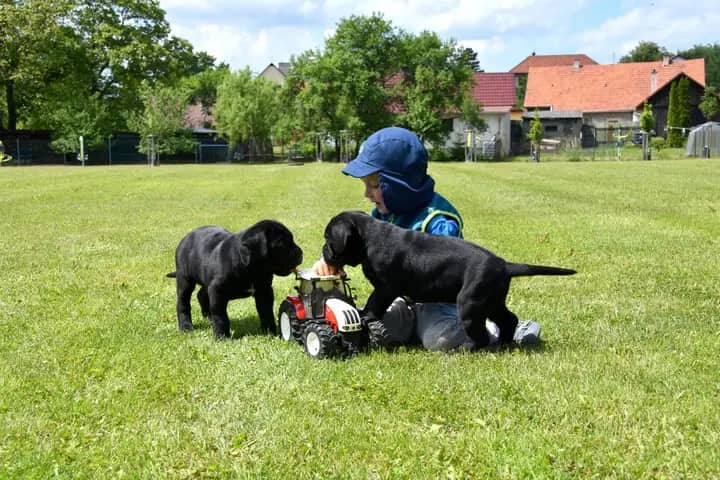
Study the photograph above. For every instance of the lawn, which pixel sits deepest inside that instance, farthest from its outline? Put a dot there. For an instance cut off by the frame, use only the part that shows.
(97, 382)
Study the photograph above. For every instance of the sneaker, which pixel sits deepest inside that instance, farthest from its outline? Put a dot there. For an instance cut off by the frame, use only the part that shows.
(527, 332)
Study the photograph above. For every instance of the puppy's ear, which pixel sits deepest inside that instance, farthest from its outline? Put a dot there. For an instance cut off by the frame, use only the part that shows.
(256, 241)
(341, 242)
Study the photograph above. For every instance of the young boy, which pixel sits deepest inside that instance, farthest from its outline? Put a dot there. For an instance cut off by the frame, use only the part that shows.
(392, 163)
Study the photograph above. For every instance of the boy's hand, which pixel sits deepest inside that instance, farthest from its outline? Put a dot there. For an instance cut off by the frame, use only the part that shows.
(322, 268)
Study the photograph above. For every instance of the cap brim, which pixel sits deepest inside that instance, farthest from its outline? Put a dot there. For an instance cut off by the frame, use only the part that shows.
(359, 168)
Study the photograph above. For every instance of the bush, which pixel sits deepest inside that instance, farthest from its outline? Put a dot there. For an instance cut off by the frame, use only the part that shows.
(657, 143)
(573, 155)
(439, 155)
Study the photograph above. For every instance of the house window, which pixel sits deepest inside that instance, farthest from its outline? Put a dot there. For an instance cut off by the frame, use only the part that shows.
(551, 128)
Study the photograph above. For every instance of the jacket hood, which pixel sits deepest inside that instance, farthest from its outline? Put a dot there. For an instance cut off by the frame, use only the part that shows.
(400, 159)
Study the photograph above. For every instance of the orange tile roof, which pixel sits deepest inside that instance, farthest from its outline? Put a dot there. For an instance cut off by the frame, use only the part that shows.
(551, 61)
(605, 88)
(494, 89)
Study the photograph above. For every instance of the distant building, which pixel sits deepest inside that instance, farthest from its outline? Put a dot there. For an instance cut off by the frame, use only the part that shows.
(277, 73)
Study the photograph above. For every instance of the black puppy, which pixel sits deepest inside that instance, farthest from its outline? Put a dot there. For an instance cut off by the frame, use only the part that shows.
(428, 268)
(232, 265)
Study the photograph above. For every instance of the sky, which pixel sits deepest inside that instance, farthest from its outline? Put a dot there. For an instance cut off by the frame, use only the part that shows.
(255, 34)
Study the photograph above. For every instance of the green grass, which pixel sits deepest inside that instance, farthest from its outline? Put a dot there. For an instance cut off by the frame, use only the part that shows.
(96, 381)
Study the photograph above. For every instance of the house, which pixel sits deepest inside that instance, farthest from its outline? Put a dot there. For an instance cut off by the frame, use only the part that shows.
(495, 92)
(521, 70)
(276, 74)
(611, 97)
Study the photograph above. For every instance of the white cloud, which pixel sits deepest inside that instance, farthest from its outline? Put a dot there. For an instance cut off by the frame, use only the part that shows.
(251, 33)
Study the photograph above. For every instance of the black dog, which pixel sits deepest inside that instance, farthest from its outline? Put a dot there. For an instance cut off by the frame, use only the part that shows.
(428, 268)
(229, 266)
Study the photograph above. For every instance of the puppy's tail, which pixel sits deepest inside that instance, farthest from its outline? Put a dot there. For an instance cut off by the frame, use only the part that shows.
(171, 275)
(525, 270)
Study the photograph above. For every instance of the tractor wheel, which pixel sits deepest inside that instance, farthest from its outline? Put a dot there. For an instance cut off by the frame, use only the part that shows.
(319, 340)
(289, 326)
(378, 336)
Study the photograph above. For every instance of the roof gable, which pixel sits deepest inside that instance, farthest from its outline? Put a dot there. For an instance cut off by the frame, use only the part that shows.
(551, 61)
(494, 89)
(605, 88)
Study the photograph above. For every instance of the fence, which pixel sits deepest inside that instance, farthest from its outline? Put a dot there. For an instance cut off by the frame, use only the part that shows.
(33, 148)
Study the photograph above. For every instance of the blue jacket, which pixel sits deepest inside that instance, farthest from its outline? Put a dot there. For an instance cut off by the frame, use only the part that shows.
(439, 217)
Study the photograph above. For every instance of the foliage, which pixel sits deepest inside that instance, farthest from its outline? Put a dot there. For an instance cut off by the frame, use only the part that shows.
(98, 383)
(673, 135)
(684, 115)
(535, 135)
(469, 57)
(711, 54)
(28, 32)
(435, 85)
(647, 120)
(520, 91)
(710, 104)
(645, 52)
(371, 75)
(53, 50)
(160, 125)
(678, 112)
(203, 92)
(247, 109)
(75, 117)
(647, 125)
(344, 86)
(658, 143)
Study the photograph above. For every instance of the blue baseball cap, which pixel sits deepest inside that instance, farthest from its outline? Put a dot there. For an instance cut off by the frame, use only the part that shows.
(394, 151)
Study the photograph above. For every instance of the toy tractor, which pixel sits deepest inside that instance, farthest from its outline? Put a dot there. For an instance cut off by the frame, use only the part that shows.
(322, 317)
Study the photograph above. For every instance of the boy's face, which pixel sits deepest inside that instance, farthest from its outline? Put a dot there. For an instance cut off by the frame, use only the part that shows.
(373, 192)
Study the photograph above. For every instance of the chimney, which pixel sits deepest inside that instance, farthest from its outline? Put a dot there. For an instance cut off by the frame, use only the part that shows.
(653, 80)
(666, 60)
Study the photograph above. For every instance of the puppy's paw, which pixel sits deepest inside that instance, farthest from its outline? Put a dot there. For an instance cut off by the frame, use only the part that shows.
(186, 327)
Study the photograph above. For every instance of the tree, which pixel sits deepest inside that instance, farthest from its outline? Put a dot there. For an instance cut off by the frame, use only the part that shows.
(345, 88)
(126, 44)
(435, 86)
(247, 109)
(29, 32)
(672, 134)
(709, 103)
(647, 124)
(92, 48)
(684, 113)
(203, 93)
(470, 59)
(678, 112)
(160, 124)
(371, 75)
(535, 136)
(645, 52)
(711, 54)
(78, 116)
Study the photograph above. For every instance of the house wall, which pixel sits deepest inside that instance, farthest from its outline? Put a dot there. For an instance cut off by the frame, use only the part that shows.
(567, 130)
(273, 74)
(498, 126)
(660, 101)
(610, 119)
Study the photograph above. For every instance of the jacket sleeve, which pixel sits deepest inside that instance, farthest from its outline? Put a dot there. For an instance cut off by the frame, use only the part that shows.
(441, 225)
